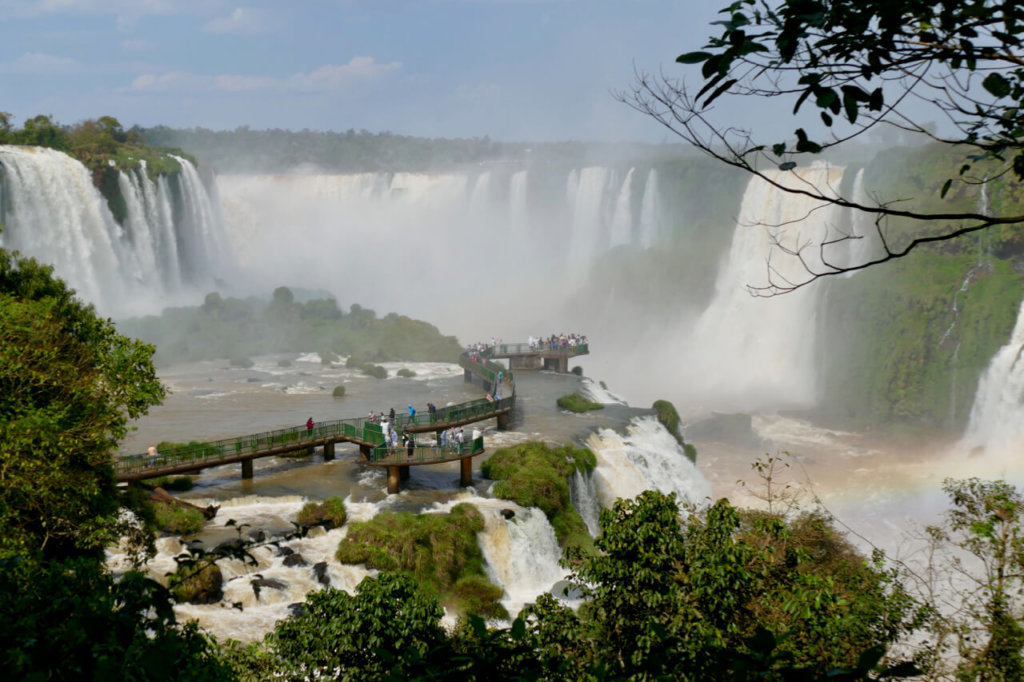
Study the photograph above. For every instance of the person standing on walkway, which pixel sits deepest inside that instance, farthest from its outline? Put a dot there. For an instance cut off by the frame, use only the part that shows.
(309, 426)
(152, 456)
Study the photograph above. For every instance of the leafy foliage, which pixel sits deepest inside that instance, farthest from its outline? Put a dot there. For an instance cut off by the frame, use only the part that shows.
(388, 628)
(68, 384)
(330, 513)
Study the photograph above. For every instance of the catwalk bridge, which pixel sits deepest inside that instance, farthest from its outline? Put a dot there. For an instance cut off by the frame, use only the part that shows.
(497, 381)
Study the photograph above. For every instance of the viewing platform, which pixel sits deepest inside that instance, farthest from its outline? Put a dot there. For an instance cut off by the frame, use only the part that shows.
(538, 356)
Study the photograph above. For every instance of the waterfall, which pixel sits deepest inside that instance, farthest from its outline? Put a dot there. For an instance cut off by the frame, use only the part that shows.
(54, 213)
(522, 553)
(995, 422)
(746, 352)
(622, 218)
(584, 498)
(588, 198)
(650, 212)
(648, 457)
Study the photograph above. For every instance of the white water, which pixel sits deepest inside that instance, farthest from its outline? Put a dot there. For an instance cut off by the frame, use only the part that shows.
(748, 353)
(995, 423)
(53, 213)
(647, 457)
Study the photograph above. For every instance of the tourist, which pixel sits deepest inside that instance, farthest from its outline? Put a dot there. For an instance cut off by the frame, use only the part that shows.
(152, 456)
(391, 415)
(309, 426)
(412, 413)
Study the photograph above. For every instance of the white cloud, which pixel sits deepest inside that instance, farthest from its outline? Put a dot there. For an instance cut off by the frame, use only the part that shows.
(137, 45)
(324, 78)
(334, 76)
(248, 22)
(40, 63)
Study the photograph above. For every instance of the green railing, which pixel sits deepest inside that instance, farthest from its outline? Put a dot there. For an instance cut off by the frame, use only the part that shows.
(426, 452)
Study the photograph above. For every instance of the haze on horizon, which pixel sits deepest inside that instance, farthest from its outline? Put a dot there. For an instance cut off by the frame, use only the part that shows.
(513, 70)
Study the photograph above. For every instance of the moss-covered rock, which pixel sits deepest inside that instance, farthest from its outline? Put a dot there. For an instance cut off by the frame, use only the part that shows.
(177, 520)
(330, 513)
(575, 402)
(439, 551)
(537, 475)
(199, 583)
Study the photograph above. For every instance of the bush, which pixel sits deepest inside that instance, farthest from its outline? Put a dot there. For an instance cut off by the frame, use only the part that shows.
(374, 371)
(330, 513)
(577, 370)
(177, 520)
(574, 402)
(339, 391)
(327, 357)
(405, 373)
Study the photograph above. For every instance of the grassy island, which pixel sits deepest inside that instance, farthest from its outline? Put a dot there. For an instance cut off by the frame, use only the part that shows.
(439, 551)
(576, 402)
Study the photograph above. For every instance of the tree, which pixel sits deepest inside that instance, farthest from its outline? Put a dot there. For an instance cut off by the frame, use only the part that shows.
(982, 543)
(68, 385)
(860, 64)
(388, 628)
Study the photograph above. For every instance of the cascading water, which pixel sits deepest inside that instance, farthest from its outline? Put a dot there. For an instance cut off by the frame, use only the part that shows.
(748, 353)
(648, 457)
(622, 218)
(995, 423)
(650, 212)
(54, 213)
(584, 498)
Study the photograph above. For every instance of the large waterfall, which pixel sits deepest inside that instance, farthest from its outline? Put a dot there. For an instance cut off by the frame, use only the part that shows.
(748, 352)
(170, 241)
(462, 249)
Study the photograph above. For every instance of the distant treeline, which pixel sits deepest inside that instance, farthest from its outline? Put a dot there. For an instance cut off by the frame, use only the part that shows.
(237, 329)
(276, 151)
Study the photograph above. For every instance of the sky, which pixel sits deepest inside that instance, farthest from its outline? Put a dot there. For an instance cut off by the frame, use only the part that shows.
(514, 70)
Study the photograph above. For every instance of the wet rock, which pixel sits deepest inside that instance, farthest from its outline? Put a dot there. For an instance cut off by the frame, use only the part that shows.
(258, 535)
(508, 513)
(320, 571)
(285, 551)
(295, 560)
(297, 609)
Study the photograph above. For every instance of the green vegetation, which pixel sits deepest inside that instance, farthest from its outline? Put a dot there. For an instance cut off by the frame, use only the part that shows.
(171, 518)
(537, 475)
(439, 551)
(405, 373)
(330, 513)
(236, 328)
(339, 391)
(669, 418)
(575, 402)
(196, 583)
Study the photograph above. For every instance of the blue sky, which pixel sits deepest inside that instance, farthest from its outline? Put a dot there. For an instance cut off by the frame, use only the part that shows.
(514, 70)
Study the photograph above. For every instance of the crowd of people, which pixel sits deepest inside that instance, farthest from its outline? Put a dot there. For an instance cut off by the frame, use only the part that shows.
(556, 341)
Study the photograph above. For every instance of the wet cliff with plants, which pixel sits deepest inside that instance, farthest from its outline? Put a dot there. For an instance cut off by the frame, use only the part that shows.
(908, 340)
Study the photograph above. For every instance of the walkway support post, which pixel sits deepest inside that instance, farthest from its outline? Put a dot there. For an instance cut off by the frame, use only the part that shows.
(329, 451)
(504, 421)
(466, 471)
(403, 473)
(393, 479)
(246, 469)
